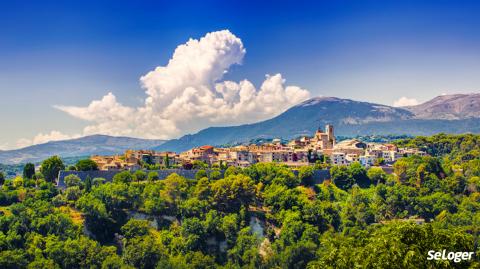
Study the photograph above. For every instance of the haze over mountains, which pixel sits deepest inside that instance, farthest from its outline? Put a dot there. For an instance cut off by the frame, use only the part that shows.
(450, 107)
(350, 118)
(84, 146)
(458, 113)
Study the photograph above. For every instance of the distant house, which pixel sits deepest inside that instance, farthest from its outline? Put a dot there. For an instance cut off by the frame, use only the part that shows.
(353, 146)
(367, 160)
(338, 158)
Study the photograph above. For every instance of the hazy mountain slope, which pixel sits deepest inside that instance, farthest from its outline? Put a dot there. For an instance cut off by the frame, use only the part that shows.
(459, 113)
(302, 119)
(451, 107)
(85, 146)
(349, 118)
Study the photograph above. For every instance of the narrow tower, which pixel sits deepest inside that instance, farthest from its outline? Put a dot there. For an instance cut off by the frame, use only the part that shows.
(330, 135)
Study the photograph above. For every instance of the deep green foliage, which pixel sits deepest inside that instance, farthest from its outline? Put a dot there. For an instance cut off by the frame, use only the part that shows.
(139, 175)
(377, 175)
(86, 165)
(28, 170)
(262, 216)
(88, 184)
(346, 176)
(152, 176)
(123, 177)
(72, 180)
(50, 168)
(201, 174)
(166, 161)
(443, 144)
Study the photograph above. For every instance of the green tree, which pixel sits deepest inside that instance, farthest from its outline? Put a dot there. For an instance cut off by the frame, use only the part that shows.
(38, 176)
(229, 226)
(305, 174)
(98, 219)
(18, 182)
(123, 177)
(77, 253)
(134, 228)
(86, 165)
(359, 174)
(202, 189)
(71, 168)
(88, 183)
(153, 176)
(245, 251)
(215, 175)
(166, 161)
(175, 190)
(142, 252)
(232, 192)
(2, 178)
(98, 181)
(51, 167)
(73, 193)
(341, 177)
(199, 165)
(200, 174)
(377, 175)
(72, 180)
(140, 175)
(267, 173)
(28, 170)
(400, 169)
(13, 259)
(232, 170)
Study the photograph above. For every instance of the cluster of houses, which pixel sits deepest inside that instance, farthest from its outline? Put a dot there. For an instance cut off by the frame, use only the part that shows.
(298, 152)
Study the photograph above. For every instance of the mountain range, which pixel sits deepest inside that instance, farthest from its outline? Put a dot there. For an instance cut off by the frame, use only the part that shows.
(84, 146)
(457, 113)
(449, 107)
(448, 114)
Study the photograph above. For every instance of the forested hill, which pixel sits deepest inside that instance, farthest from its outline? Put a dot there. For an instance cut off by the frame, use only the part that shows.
(263, 216)
(466, 146)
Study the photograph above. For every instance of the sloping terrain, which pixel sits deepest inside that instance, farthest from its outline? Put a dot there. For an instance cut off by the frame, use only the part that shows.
(84, 146)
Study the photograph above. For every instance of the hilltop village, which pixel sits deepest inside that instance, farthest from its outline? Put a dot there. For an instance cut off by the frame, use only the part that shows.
(322, 148)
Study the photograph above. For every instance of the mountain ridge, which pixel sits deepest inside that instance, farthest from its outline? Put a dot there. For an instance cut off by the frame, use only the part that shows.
(349, 117)
(452, 107)
(83, 146)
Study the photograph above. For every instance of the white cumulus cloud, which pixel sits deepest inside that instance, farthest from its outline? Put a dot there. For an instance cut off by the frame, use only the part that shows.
(405, 101)
(188, 94)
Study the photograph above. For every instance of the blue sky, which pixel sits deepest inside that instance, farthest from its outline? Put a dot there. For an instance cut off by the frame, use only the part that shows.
(71, 53)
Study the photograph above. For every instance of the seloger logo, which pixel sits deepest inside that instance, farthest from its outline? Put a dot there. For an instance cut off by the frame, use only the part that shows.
(444, 255)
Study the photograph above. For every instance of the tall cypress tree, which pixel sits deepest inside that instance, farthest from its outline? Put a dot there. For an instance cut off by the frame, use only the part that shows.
(88, 184)
(28, 170)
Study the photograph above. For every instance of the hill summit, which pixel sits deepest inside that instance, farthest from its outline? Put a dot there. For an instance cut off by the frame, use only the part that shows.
(450, 107)
(349, 117)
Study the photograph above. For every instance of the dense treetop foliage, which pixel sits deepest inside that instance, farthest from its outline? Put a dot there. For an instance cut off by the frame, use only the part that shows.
(263, 216)
(466, 145)
(12, 170)
(86, 165)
